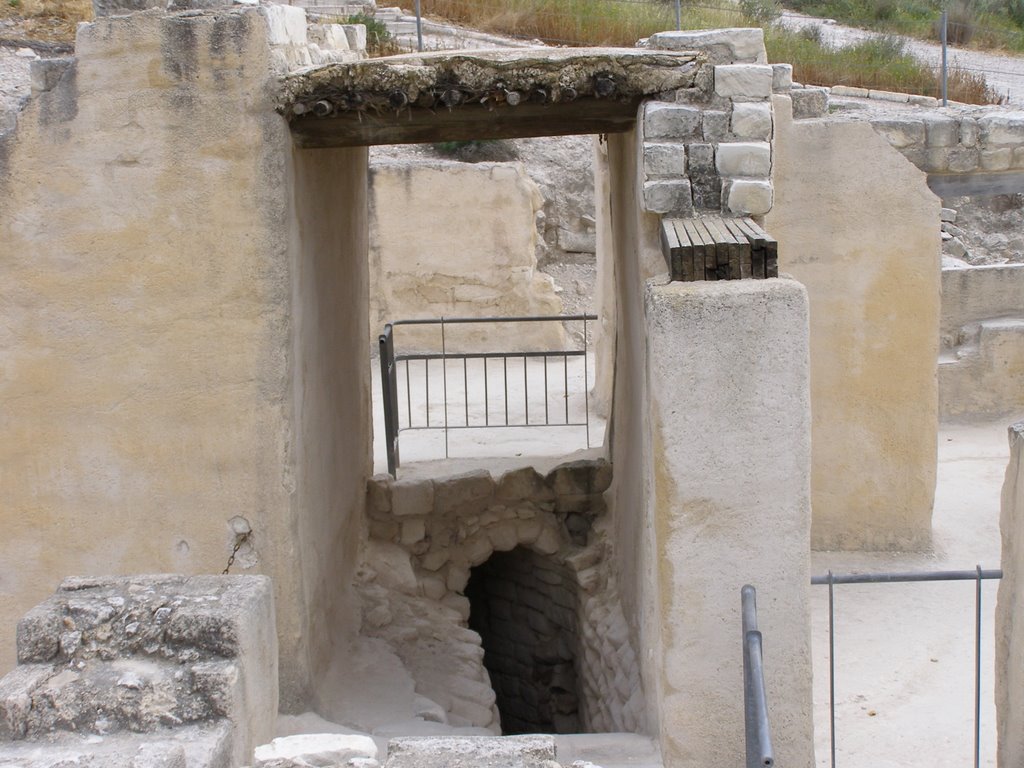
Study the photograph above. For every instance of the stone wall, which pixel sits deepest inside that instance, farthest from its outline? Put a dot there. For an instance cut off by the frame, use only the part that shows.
(710, 149)
(1009, 662)
(430, 258)
(426, 537)
(869, 256)
(160, 286)
(981, 354)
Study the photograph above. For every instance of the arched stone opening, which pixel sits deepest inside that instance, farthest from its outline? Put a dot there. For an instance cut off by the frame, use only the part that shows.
(525, 608)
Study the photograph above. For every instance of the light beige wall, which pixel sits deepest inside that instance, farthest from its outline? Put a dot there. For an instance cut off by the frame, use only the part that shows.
(981, 361)
(728, 440)
(1009, 672)
(458, 240)
(856, 224)
(148, 337)
(331, 393)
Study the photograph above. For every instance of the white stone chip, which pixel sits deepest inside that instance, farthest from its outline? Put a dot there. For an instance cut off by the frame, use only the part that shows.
(315, 749)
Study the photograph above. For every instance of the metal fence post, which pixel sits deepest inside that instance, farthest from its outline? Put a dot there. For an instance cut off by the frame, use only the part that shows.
(945, 70)
(679, 14)
(389, 396)
(419, 28)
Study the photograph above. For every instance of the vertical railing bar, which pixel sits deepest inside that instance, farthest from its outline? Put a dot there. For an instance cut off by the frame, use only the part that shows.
(444, 385)
(565, 369)
(547, 416)
(977, 670)
(586, 382)
(426, 378)
(832, 666)
(504, 363)
(465, 388)
(487, 402)
(408, 393)
(526, 395)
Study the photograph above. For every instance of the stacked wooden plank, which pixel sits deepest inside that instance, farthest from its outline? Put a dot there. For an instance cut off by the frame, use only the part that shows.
(718, 248)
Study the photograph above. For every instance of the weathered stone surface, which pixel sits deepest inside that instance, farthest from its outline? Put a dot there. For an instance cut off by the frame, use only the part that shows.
(1002, 128)
(900, 132)
(941, 131)
(782, 77)
(378, 493)
(750, 159)
(998, 159)
(356, 34)
(809, 102)
(46, 73)
(524, 483)
(665, 197)
(286, 25)
(963, 159)
(122, 7)
(893, 96)
(750, 198)
(743, 82)
(970, 132)
(470, 752)
(412, 497)
(752, 120)
(465, 494)
(715, 126)
(671, 121)
(723, 46)
(580, 477)
(392, 565)
(314, 749)
(330, 36)
(664, 160)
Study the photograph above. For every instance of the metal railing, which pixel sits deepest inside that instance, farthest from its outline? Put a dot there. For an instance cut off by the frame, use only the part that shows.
(755, 700)
(831, 579)
(499, 402)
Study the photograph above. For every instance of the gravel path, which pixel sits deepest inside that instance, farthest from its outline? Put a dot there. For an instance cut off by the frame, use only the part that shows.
(1004, 72)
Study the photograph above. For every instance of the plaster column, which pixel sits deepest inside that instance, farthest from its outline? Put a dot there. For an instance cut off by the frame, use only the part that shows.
(1010, 611)
(728, 436)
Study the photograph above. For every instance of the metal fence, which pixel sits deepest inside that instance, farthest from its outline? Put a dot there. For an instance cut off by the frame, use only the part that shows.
(831, 579)
(755, 699)
(482, 390)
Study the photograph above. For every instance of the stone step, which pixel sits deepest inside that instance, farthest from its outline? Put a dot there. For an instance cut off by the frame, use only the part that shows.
(471, 752)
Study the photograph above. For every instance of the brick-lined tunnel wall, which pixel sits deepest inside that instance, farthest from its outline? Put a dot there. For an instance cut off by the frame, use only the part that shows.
(524, 606)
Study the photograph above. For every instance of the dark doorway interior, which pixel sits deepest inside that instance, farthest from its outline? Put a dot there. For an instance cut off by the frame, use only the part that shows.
(524, 606)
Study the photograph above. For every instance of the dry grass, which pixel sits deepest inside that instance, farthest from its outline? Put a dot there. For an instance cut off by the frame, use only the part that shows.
(53, 21)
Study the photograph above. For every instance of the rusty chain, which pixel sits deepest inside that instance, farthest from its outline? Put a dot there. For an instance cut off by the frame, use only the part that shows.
(238, 545)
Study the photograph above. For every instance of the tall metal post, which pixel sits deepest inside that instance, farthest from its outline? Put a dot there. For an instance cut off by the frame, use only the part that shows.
(679, 14)
(945, 28)
(419, 28)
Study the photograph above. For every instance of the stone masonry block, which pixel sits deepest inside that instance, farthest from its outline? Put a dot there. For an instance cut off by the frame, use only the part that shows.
(936, 160)
(523, 483)
(750, 159)
(124, 7)
(996, 159)
(941, 131)
(707, 193)
(723, 46)
(44, 74)
(715, 126)
(750, 198)
(580, 477)
(743, 82)
(329, 36)
(661, 160)
(671, 121)
(850, 92)
(809, 103)
(901, 132)
(1003, 128)
(286, 24)
(963, 159)
(356, 34)
(465, 494)
(752, 120)
(782, 77)
(701, 159)
(412, 497)
(969, 132)
(666, 197)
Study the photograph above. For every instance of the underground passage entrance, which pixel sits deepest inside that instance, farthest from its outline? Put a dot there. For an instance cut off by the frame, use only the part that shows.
(524, 606)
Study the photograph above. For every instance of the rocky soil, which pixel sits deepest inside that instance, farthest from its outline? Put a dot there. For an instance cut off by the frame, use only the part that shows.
(984, 230)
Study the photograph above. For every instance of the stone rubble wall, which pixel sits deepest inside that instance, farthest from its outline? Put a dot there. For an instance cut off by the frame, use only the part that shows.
(145, 654)
(296, 43)
(708, 148)
(424, 537)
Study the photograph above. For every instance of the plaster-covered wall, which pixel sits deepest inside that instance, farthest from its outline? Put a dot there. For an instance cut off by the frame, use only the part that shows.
(451, 239)
(741, 347)
(150, 264)
(868, 252)
(981, 356)
(1009, 672)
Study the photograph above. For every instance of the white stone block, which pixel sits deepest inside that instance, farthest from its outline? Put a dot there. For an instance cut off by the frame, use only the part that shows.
(738, 45)
(670, 121)
(356, 34)
(286, 24)
(746, 158)
(782, 77)
(315, 749)
(750, 198)
(850, 91)
(661, 160)
(897, 98)
(752, 120)
(743, 82)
